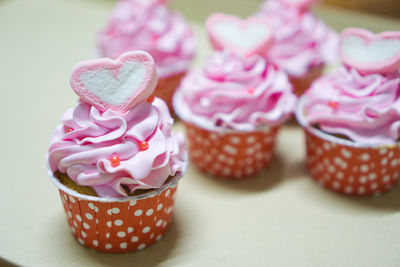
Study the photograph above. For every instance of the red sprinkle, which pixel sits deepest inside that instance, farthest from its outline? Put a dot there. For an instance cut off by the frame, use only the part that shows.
(150, 99)
(114, 160)
(143, 145)
(333, 104)
(154, 38)
(68, 129)
(250, 90)
(276, 67)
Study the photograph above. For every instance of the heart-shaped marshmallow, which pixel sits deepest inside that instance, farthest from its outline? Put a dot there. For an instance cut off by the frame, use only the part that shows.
(246, 37)
(115, 84)
(370, 53)
(302, 4)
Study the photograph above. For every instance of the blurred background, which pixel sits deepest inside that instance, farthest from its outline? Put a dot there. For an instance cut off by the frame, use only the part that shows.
(43, 39)
(389, 8)
(381, 7)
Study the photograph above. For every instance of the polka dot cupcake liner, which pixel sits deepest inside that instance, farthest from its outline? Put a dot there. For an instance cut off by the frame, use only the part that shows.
(166, 88)
(232, 155)
(301, 84)
(350, 169)
(119, 225)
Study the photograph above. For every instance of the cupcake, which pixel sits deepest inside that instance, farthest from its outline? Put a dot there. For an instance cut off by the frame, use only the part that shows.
(303, 44)
(352, 117)
(150, 26)
(114, 159)
(234, 105)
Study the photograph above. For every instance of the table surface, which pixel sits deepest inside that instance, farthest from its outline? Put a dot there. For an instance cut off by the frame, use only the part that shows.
(280, 217)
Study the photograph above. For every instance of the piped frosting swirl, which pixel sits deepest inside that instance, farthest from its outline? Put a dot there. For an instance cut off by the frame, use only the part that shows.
(235, 92)
(364, 108)
(84, 143)
(302, 41)
(153, 28)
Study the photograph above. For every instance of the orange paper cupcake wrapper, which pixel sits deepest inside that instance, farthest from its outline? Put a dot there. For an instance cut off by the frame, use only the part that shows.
(231, 154)
(301, 84)
(119, 225)
(166, 88)
(352, 170)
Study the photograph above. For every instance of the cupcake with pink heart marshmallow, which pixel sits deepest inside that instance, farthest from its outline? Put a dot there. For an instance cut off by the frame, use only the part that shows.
(114, 159)
(234, 105)
(150, 26)
(303, 44)
(352, 117)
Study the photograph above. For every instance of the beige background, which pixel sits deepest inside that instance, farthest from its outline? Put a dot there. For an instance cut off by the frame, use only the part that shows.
(279, 218)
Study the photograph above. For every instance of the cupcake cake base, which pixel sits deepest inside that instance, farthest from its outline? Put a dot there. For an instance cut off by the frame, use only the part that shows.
(301, 84)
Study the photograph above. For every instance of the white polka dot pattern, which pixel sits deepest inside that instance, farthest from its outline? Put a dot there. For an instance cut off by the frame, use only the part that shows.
(351, 170)
(119, 227)
(230, 155)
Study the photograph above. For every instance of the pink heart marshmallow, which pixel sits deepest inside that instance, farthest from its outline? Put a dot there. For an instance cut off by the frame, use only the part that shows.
(370, 53)
(246, 37)
(115, 84)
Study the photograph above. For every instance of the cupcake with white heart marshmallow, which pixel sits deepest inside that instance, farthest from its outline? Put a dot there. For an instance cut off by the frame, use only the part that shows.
(352, 117)
(303, 45)
(151, 26)
(114, 159)
(234, 105)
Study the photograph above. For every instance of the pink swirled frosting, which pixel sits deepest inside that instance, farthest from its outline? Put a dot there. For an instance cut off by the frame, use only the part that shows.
(235, 92)
(84, 153)
(363, 108)
(301, 40)
(153, 28)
